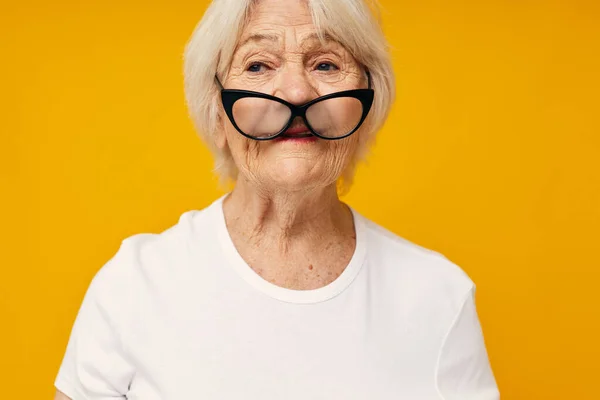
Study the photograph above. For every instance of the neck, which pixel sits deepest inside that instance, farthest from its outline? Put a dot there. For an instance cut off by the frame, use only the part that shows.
(289, 220)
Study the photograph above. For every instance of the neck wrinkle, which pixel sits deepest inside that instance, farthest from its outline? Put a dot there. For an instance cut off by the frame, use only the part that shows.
(286, 218)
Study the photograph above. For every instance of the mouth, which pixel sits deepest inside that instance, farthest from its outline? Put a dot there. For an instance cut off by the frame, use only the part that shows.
(297, 132)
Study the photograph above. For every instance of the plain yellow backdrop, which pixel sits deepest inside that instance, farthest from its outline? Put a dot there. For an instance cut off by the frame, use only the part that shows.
(491, 156)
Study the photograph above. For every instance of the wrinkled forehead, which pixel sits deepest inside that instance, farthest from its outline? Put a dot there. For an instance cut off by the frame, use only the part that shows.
(281, 39)
(280, 24)
(285, 13)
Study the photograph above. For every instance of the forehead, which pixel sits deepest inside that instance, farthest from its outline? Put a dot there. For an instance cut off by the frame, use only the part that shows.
(276, 22)
(289, 13)
(276, 39)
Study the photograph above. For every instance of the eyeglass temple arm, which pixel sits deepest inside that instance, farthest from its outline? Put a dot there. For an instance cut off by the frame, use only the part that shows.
(218, 82)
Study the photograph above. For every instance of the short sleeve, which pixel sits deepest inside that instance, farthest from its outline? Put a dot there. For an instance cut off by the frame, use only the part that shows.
(464, 371)
(95, 365)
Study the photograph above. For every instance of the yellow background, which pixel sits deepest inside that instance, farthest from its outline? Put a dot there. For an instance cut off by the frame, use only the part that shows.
(491, 156)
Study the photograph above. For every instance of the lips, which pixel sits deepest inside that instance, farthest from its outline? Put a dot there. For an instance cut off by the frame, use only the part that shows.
(298, 131)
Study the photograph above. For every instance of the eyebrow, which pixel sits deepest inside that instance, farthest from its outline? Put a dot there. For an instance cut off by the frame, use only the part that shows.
(258, 37)
(315, 37)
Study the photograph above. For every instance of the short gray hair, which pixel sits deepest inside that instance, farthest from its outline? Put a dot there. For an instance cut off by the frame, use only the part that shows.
(353, 23)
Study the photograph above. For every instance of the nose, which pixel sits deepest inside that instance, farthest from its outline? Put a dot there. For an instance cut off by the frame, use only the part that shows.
(294, 85)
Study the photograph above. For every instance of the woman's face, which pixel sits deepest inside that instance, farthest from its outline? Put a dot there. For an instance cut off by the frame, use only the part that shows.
(280, 54)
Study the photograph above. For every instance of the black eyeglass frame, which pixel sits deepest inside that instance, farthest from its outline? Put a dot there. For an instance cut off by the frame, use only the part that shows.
(230, 96)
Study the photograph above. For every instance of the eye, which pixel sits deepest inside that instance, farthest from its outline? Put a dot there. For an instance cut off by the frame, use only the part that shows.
(255, 67)
(326, 66)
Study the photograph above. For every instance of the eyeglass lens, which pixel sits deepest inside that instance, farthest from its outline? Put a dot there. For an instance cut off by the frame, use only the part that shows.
(262, 118)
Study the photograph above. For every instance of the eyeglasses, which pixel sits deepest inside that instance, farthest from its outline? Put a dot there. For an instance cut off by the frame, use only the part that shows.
(260, 116)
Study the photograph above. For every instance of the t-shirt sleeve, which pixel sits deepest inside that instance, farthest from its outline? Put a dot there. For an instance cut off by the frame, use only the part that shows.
(464, 371)
(95, 365)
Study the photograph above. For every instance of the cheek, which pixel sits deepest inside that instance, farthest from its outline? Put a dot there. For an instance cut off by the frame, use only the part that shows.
(244, 151)
(235, 142)
(349, 145)
(340, 152)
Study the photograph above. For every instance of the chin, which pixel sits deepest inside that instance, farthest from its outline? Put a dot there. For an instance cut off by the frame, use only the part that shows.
(296, 174)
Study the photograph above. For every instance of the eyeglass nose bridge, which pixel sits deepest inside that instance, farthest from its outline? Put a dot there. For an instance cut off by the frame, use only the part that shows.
(298, 111)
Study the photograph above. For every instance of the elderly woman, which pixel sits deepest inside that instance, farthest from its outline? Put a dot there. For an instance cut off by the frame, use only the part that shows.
(278, 290)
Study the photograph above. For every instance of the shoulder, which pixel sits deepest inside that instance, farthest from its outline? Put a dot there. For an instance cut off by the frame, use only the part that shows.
(143, 259)
(418, 271)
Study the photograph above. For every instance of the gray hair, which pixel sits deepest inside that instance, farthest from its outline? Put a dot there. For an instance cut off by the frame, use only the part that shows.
(353, 23)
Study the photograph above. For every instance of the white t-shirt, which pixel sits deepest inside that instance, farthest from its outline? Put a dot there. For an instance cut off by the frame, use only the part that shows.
(179, 315)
